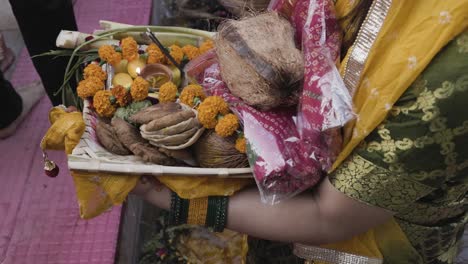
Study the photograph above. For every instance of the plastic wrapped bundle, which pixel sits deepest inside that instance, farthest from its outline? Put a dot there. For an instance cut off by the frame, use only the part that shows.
(290, 149)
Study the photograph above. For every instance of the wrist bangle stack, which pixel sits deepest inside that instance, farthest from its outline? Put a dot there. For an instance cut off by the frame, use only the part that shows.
(209, 211)
(179, 210)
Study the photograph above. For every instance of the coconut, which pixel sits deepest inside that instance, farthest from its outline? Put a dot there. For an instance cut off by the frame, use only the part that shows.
(213, 151)
(259, 60)
(242, 7)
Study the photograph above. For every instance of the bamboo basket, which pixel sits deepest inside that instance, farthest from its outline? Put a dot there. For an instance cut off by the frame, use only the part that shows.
(90, 156)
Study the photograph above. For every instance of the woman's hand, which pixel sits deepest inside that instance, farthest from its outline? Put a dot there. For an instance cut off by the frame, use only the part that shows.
(153, 191)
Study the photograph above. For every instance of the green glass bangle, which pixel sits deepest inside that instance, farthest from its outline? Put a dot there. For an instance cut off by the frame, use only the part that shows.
(179, 210)
(217, 213)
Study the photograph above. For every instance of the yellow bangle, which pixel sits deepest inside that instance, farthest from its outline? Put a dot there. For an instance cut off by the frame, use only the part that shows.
(198, 209)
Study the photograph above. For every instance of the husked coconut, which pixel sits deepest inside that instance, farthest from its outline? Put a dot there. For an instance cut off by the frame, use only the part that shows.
(259, 60)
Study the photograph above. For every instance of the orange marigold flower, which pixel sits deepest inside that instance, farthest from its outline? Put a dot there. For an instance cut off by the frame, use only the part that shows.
(168, 92)
(227, 125)
(155, 55)
(218, 104)
(176, 53)
(107, 53)
(207, 116)
(190, 93)
(89, 87)
(122, 95)
(139, 89)
(102, 103)
(129, 48)
(209, 110)
(94, 70)
(206, 46)
(241, 144)
(191, 51)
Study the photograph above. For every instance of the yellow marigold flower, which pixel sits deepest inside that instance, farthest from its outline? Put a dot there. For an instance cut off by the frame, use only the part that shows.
(107, 53)
(227, 125)
(94, 70)
(206, 46)
(168, 92)
(191, 51)
(155, 55)
(129, 49)
(209, 109)
(89, 87)
(139, 89)
(190, 92)
(241, 144)
(102, 103)
(218, 104)
(122, 95)
(207, 115)
(176, 53)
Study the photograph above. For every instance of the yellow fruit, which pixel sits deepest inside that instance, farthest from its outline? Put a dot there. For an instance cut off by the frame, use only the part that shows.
(121, 67)
(122, 79)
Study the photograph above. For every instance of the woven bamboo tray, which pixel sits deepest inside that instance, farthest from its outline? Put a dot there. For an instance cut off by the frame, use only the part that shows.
(89, 155)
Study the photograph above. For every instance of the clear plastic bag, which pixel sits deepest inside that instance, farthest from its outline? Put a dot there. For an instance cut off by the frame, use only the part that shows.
(290, 149)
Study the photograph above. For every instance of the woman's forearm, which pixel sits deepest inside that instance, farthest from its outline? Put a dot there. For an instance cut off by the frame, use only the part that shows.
(325, 216)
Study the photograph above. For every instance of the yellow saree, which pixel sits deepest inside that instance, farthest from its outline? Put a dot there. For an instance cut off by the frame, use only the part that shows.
(396, 42)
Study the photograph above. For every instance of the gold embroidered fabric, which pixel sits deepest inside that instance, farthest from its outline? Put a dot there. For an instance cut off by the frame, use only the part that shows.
(415, 163)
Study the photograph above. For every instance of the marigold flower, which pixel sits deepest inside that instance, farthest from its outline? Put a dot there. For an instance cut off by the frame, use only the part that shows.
(89, 87)
(209, 110)
(218, 104)
(155, 55)
(122, 95)
(227, 125)
(139, 89)
(103, 104)
(190, 92)
(176, 53)
(241, 145)
(207, 116)
(191, 52)
(206, 46)
(94, 70)
(107, 53)
(129, 48)
(168, 92)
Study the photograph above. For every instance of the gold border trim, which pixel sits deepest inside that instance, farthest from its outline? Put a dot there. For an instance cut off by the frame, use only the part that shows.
(365, 39)
(331, 256)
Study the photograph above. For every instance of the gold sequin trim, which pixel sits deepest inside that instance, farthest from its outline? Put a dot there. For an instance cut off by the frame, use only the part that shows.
(365, 39)
(331, 256)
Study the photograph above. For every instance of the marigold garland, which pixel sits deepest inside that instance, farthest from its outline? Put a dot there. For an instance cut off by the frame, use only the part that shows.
(176, 53)
(206, 46)
(190, 92)
(241, 145)
(168, 92)
(227, 125)
(139, 89)
(155, 55)
(107, 53)
(89, 87)
(94, 70)
(191, 52)
(129, 48)
(122, 95)
(103, 105)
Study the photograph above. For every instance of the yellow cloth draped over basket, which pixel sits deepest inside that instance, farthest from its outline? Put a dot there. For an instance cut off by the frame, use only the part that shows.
(411, 34)
(97, 192)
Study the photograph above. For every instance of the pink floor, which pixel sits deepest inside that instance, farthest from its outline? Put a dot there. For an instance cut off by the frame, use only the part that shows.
(39, 221)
